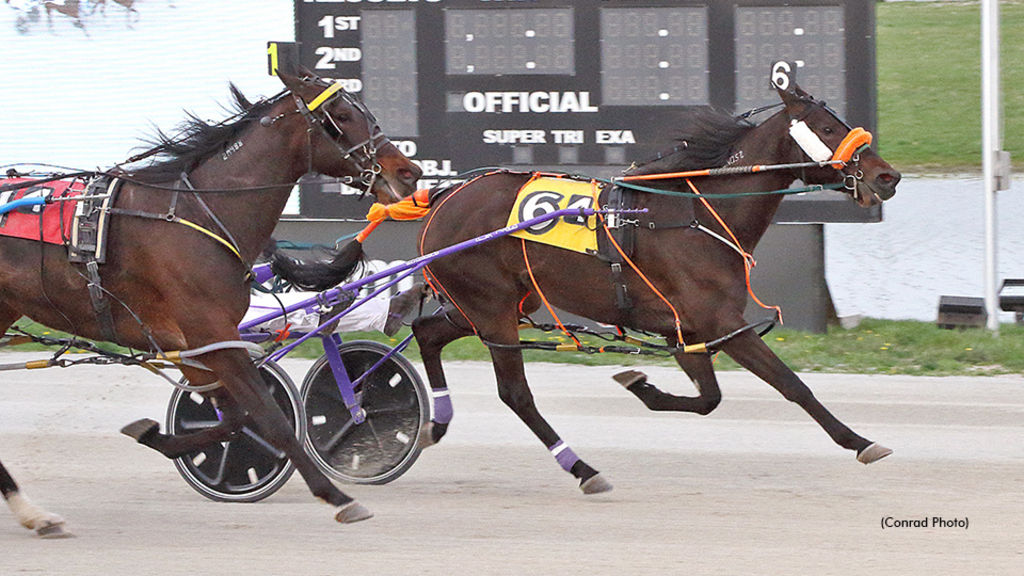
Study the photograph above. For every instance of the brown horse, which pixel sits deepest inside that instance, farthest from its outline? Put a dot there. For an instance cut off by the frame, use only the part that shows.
(689, 280)
(174, 287)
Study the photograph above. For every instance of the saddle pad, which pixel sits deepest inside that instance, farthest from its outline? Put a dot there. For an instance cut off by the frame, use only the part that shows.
(544, 195)
(56, 218)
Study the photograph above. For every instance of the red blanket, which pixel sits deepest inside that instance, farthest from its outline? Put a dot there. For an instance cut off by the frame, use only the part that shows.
(56, 217)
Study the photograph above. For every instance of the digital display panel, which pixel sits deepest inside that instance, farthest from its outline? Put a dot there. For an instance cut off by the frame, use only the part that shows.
(582, 86)
(813, 37)
(654, 56)
(389, 69)
(495, 42)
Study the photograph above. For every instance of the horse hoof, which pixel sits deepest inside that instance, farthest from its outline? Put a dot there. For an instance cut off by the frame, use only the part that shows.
(595, 485)
(53, 531)
(141, 429)
(873, 453)
(352, 512)
(629, 378)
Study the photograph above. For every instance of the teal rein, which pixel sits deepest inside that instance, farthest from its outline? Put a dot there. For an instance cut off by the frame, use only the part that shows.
(785, 191)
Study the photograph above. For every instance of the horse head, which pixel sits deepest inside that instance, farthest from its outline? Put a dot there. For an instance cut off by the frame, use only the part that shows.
(843, 151)
(346, 141)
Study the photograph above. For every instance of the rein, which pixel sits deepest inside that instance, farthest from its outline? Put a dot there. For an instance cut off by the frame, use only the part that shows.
(783, 192)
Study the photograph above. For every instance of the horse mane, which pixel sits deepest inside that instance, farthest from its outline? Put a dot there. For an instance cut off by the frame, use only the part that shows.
(705, 139)
(195, 140)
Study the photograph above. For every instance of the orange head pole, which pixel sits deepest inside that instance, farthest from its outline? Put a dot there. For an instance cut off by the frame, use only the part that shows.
(366, 231)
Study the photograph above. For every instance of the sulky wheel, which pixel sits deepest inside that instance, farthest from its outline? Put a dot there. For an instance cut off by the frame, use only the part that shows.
(384, 445)
(246, 468)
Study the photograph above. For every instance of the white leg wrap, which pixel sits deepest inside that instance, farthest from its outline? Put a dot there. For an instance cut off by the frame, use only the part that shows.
(29, 515)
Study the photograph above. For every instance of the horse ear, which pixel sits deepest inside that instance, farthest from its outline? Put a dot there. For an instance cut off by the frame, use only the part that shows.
(789, 98)
(290, 82)
(795, 99)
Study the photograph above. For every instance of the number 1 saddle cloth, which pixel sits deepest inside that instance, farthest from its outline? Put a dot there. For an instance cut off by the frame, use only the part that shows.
(50, 223)
(78, 224)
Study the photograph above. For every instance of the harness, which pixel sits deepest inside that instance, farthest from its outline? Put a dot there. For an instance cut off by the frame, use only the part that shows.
(847, 152)
(88, 245)
(363, 154)
(620, 238)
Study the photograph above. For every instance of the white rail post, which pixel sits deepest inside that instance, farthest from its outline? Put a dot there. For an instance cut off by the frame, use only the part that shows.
(994, 162)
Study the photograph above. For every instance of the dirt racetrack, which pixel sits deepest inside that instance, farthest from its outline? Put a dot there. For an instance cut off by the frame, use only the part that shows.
(754, 488)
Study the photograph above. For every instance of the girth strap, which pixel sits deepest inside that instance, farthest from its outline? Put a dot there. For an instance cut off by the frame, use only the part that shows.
(624, 235)
(88, 246)
(100, 304)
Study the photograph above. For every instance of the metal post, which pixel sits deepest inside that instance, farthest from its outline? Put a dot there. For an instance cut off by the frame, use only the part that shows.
(991, 138)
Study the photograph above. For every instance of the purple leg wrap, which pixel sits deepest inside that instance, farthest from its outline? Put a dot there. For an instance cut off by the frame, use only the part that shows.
(564, 455)
(442, 406)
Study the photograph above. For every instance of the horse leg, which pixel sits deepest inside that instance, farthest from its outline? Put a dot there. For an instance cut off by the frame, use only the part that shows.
(700, 370)
(749, 351)
(515, 393)
(147, 431)
(242, 381)
(45, 524)
(433, 333)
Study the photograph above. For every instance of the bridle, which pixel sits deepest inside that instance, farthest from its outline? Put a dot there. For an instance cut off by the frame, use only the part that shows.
(846, 155)
(363, 154)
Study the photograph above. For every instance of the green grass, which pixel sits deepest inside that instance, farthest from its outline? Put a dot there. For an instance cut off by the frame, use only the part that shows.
(900, 347)
(929, 90)
(929, 84)
(875, 347)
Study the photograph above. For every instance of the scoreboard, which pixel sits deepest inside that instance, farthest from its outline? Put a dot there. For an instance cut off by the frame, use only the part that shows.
(582, 86)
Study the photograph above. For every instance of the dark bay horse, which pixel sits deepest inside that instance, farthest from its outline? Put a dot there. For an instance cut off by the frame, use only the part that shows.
(172, 287)
(693, 285)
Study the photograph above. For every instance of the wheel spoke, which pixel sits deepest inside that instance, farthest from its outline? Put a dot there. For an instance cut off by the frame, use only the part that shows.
(263, 443)
(394, 408)
(376, 437)
(338, 436)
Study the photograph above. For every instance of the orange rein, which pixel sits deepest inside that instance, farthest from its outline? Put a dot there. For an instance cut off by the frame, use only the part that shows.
(748, 259)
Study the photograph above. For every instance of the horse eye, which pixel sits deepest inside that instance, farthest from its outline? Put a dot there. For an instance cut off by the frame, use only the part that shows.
(828, 130)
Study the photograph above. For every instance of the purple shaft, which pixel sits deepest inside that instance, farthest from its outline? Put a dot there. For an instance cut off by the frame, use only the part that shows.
(262, 273)
(422, 261)
(415, 264)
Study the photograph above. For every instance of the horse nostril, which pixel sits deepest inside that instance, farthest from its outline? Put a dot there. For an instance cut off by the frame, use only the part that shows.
(890, 179)
(885, 184)
(408, 175)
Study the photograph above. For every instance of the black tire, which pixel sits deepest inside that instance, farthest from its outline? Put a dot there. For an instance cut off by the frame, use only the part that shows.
(247, 468)
(385, 444)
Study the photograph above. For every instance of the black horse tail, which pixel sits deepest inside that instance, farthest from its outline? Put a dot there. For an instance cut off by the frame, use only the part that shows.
(331, 269)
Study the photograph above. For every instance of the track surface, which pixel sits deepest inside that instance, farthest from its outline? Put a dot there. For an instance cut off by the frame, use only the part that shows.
(754, 488)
